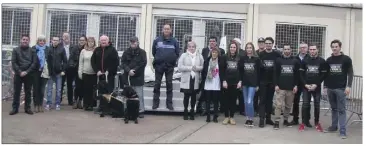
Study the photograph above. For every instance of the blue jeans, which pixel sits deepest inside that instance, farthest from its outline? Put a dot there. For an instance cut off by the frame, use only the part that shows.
(248, 94)
(337, 100)
(58, 80)
(140, 92)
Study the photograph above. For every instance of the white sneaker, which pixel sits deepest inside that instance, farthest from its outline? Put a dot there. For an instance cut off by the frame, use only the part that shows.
(58, 107)
(47, 107)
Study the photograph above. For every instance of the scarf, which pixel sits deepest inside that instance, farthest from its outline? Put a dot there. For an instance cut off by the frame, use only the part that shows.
(212, 71)
(41, 55)
(193, 58)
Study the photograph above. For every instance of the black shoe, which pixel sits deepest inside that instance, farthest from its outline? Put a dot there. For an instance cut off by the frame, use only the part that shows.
(215, 119)
(89, 109)
(269, 122)
(185, 116)
(261, 123)
(286, 123)
(247, 123)
(276, 125)
(155, 105)
(191, 116)
(136, 121)
(170, 107)
(250, 123)
(208, 119)
(13, 112)
(307, 124)
(331, 129)
(141, 115)
(203, 113)
(29, 111)
(294, 122)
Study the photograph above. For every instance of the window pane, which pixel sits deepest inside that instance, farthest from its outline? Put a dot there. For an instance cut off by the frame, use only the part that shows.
(126, 30)
(182, 28)
(21, 26)
(160, 24)
(232, 30)
(313, 34)
(286, 33)
(6, 26)
(58, 23)
(77, 26)
(108, 26)
(213, 28)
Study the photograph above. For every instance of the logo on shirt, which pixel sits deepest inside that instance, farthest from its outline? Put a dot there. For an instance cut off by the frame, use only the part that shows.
(314, 69)
(335, 68)
(232, 65)
(287, 69)
(268, 63)
(162, 45)
(249, 67)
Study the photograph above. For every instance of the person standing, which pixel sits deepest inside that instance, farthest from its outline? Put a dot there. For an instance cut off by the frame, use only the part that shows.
(286, 78)
(190, 64)
(249, 70)
(303, 54)
(56, 63)
(206, 54)
(24, 61)
(212, 75)
(339, 71)
(70, 70)
(261, 48)
(241, 105)
(231, 82)
(39, 82)
(312, 73)
(86, 74)
(105, 61)
(268, 58)
(134, 62)
(78, 97)
(166, 51)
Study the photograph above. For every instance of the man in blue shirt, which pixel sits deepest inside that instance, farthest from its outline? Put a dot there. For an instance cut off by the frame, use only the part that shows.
(165, 50)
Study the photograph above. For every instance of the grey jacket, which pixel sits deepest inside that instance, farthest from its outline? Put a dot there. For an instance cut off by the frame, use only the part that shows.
(185, 66)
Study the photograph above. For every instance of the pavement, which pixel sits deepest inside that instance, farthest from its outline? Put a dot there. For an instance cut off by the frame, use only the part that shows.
(78, 126)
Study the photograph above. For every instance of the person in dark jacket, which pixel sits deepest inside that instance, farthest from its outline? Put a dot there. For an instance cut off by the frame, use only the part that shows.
(338, 82)
(71, 67)
(249, 70)
(78, 95)
(241, 105)
(105, 61)
(312, 74)
(205, 54)
(268, 58)
(303, 54)
(261, 48)
(211, 83)
(231, 82)
(165, 50)
(134, 62)
(56, 62)
(39, 82)
(23, 60)
(285, 78)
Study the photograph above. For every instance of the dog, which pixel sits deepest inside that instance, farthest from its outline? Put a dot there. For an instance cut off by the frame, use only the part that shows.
(132, 103)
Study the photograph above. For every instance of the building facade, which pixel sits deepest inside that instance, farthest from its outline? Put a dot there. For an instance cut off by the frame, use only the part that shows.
(291, 23)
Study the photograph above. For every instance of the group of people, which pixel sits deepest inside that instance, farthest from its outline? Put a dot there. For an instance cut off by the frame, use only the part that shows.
(253, 76)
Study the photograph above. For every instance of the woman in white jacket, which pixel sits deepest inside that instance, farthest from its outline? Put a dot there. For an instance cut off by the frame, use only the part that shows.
(87, 74)
(190, 64)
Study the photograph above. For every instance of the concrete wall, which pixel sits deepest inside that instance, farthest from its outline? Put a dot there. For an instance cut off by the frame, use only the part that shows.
(357, 51)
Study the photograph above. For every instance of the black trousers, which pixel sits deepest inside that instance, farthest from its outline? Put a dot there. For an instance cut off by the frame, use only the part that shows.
(78, 94)
(18, 82)
(231, 95)
(169, 85)
(212, 96)
(186, 100)
(111, 85)
(296, 105)
(241, 101)
(69, 77)
(39, 85)
(266, 100)
(256, 101)
(88, 82)
(306, 106)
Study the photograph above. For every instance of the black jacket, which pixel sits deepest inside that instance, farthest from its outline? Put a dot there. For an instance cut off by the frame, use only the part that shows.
(286, 73)
(249, 70)
(231, 70)
(23, 59)
(206, 52)
(38, 65)
(105, 60)
(56, 60)
(301, 63)
(134, 59)
(74, 56)
(268, 62)
(313, 71)
(205, 69)
(339, 70)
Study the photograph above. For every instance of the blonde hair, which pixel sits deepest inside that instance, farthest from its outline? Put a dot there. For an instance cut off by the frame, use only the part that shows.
(92, 39)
